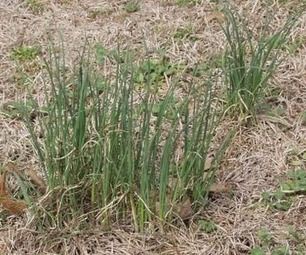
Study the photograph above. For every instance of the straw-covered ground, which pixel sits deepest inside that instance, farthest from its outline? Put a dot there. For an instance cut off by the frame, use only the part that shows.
(259, 159)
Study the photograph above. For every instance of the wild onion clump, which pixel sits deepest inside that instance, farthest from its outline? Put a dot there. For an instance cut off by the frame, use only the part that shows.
(250, 62)
(119, 153)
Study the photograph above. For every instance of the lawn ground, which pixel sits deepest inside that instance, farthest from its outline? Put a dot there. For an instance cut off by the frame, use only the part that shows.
(259, 160)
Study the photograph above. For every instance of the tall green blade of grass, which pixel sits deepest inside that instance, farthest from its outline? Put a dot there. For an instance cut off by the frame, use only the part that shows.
(119, 154)
(249, 62)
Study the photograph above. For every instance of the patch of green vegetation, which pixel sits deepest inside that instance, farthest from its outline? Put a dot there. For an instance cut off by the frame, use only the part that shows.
(300, 251)
(102, 53)
(265, 239)
(296, 184)
(25, 190)
(25, 73)
(303, 118)
(187, 2)
(25, 53)
(295, 158)
(199, 70)
(184, 33)
(36, 6)
(296, 44)
(277, 200)
(272, 106)
(22, 79)
(277, 111)
(267, 245)
(283, 1)
(132, 6)
(282, 250)
(100, 153)
(63, 2)
(154, 71)
(99, 12)
(248, 66)
(291, 4)
(15, 109)
(295, 235)
(216, 61)
(275, 114)
(264, 236)
(257, 251)
(299, 240)
(282, 198)
(207, 226)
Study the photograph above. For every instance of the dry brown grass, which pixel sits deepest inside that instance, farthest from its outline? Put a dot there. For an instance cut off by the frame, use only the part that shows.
(256, 162)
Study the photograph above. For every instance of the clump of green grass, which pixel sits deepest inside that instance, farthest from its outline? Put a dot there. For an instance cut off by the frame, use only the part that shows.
(212, 63)
(296, 44)
(249, 62)
(15, 108)
(186, 32)
(187, 2)
(281, 250)
(108, 151)
(25, 53)
(132, 6)
(207, 226)
(257, 251)
(265, 237)
(27, 65)
(36, 6)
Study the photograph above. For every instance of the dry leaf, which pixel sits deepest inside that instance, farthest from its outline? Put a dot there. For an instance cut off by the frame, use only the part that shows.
(3, 192)
(220, 187)
(13, 206)
(185, 209)
(215, 16)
